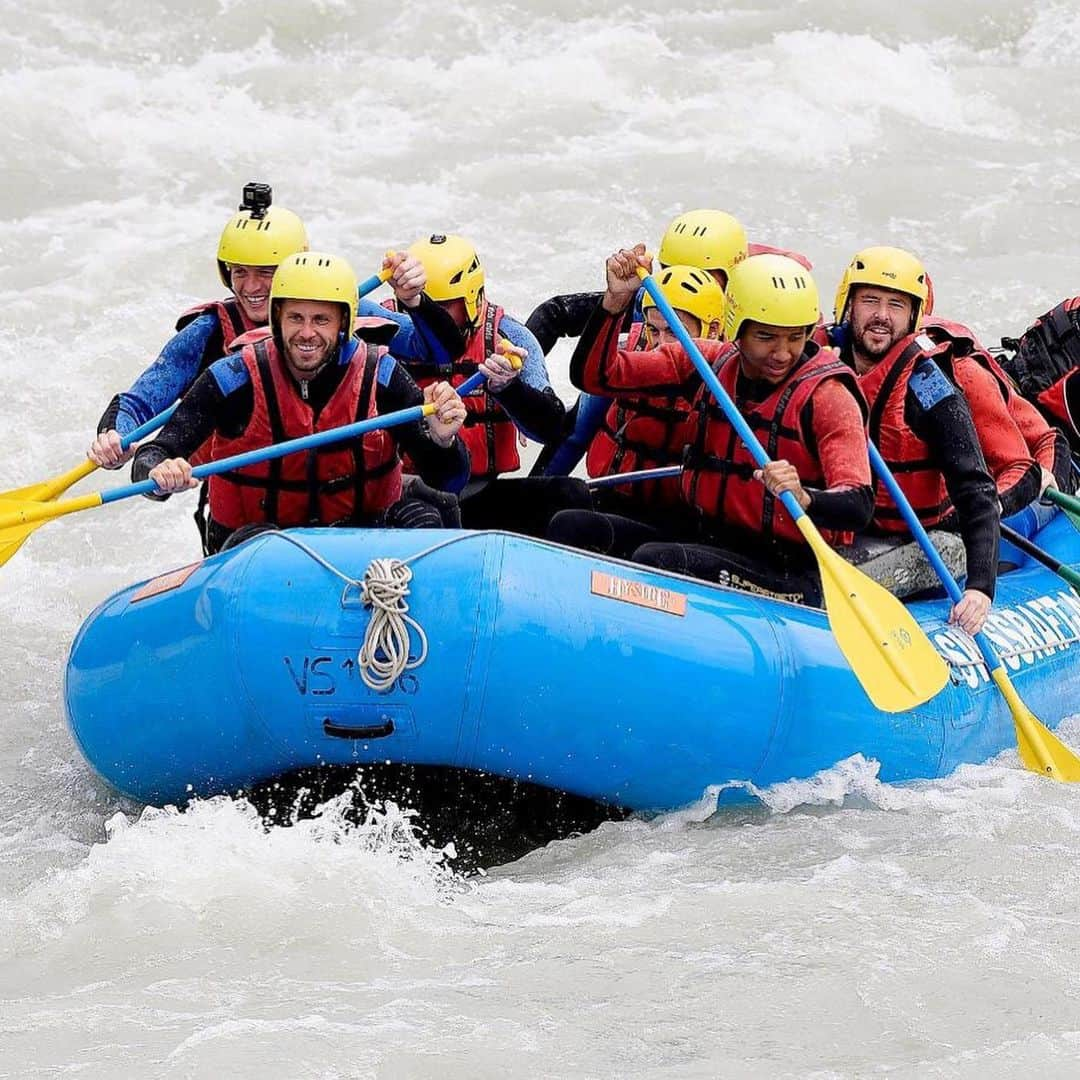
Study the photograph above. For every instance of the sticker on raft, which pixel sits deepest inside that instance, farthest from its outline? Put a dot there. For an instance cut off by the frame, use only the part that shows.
(638, 592)
(1022, 633)
(165, 583)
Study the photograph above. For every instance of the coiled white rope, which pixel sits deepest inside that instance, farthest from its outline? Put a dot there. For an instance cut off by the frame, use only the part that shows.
(384, 655)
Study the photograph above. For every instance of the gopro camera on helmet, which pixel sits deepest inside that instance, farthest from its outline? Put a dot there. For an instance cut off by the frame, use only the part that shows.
(257, 199)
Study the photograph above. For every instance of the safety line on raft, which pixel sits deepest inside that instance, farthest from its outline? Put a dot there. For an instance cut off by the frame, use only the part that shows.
(383, 656)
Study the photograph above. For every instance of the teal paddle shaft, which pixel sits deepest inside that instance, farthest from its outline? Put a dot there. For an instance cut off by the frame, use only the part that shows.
(1040, 556)
(148, 428)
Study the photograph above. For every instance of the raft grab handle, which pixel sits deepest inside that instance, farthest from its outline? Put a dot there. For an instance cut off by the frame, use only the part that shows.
(365, 731)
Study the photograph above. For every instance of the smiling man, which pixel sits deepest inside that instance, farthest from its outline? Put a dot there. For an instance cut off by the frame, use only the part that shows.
(254, 241)
(921, 421)
(803, 402)
(304, 374)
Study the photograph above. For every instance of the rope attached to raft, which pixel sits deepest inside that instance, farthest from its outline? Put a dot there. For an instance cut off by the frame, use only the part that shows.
(384, 655)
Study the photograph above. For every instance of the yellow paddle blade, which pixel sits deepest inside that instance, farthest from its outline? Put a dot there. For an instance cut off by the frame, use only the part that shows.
(13, 537)
(47, 490)
(20, 517)
(1040, 749)
(888, 651)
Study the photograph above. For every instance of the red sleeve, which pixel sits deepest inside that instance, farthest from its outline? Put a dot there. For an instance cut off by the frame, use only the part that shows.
(840, 434)
(1039, 436)
(1007, 456)
(599, 366)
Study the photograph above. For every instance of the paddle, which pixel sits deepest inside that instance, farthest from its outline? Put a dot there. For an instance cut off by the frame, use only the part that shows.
(890, 655)
(1040, 750)
(1069, 503)
(372, 283)
(615, 479)
(47, 490)
(1067, 573)
(11, 539)
(23, 518)
(33, 514)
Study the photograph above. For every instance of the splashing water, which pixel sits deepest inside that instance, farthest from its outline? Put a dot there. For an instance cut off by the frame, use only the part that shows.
(842, 927)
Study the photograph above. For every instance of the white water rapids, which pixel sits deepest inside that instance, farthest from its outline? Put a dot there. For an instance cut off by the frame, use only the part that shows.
(843, 929)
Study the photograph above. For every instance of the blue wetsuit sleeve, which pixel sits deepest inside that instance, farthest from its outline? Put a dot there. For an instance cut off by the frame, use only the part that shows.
(168, 377)
(221, 399)
(426, 333)
(589, 415)
(534, 370)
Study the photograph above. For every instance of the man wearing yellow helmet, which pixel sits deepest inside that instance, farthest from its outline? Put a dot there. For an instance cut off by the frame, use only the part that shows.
(802, 401)
(649, 432)
(709, 240)
(303, 374)
(513, 399)
(922, 423)
(254, 241)
(252, 244)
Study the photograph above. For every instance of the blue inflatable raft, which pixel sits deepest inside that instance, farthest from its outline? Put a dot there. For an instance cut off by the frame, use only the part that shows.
(592, 676)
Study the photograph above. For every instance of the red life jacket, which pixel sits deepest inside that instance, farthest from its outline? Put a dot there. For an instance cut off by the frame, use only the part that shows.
(965, 343)
(909, 458)
(231, 334)
(349, 481)
(489, 433)
(642, 433)
(231, 323)
(250, 337)
(1054, 402)
(1033, 428)
(718, 478)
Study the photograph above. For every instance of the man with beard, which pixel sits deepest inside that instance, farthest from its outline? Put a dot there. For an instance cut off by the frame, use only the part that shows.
(921, 422)
(307, 373)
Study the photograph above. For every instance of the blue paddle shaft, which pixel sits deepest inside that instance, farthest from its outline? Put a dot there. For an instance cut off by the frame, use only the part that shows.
(473, 382)
(952, 587)
(268, 453)
(148, 428)
(731, 410)
(369, 285)
(294, 446)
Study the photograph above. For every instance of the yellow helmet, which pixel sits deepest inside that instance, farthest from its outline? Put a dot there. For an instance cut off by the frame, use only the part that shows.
(708, 239)
(770, 289)
(260, 241)
(888, 268)
(313, 275)
(453, 271)
(691, 290)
